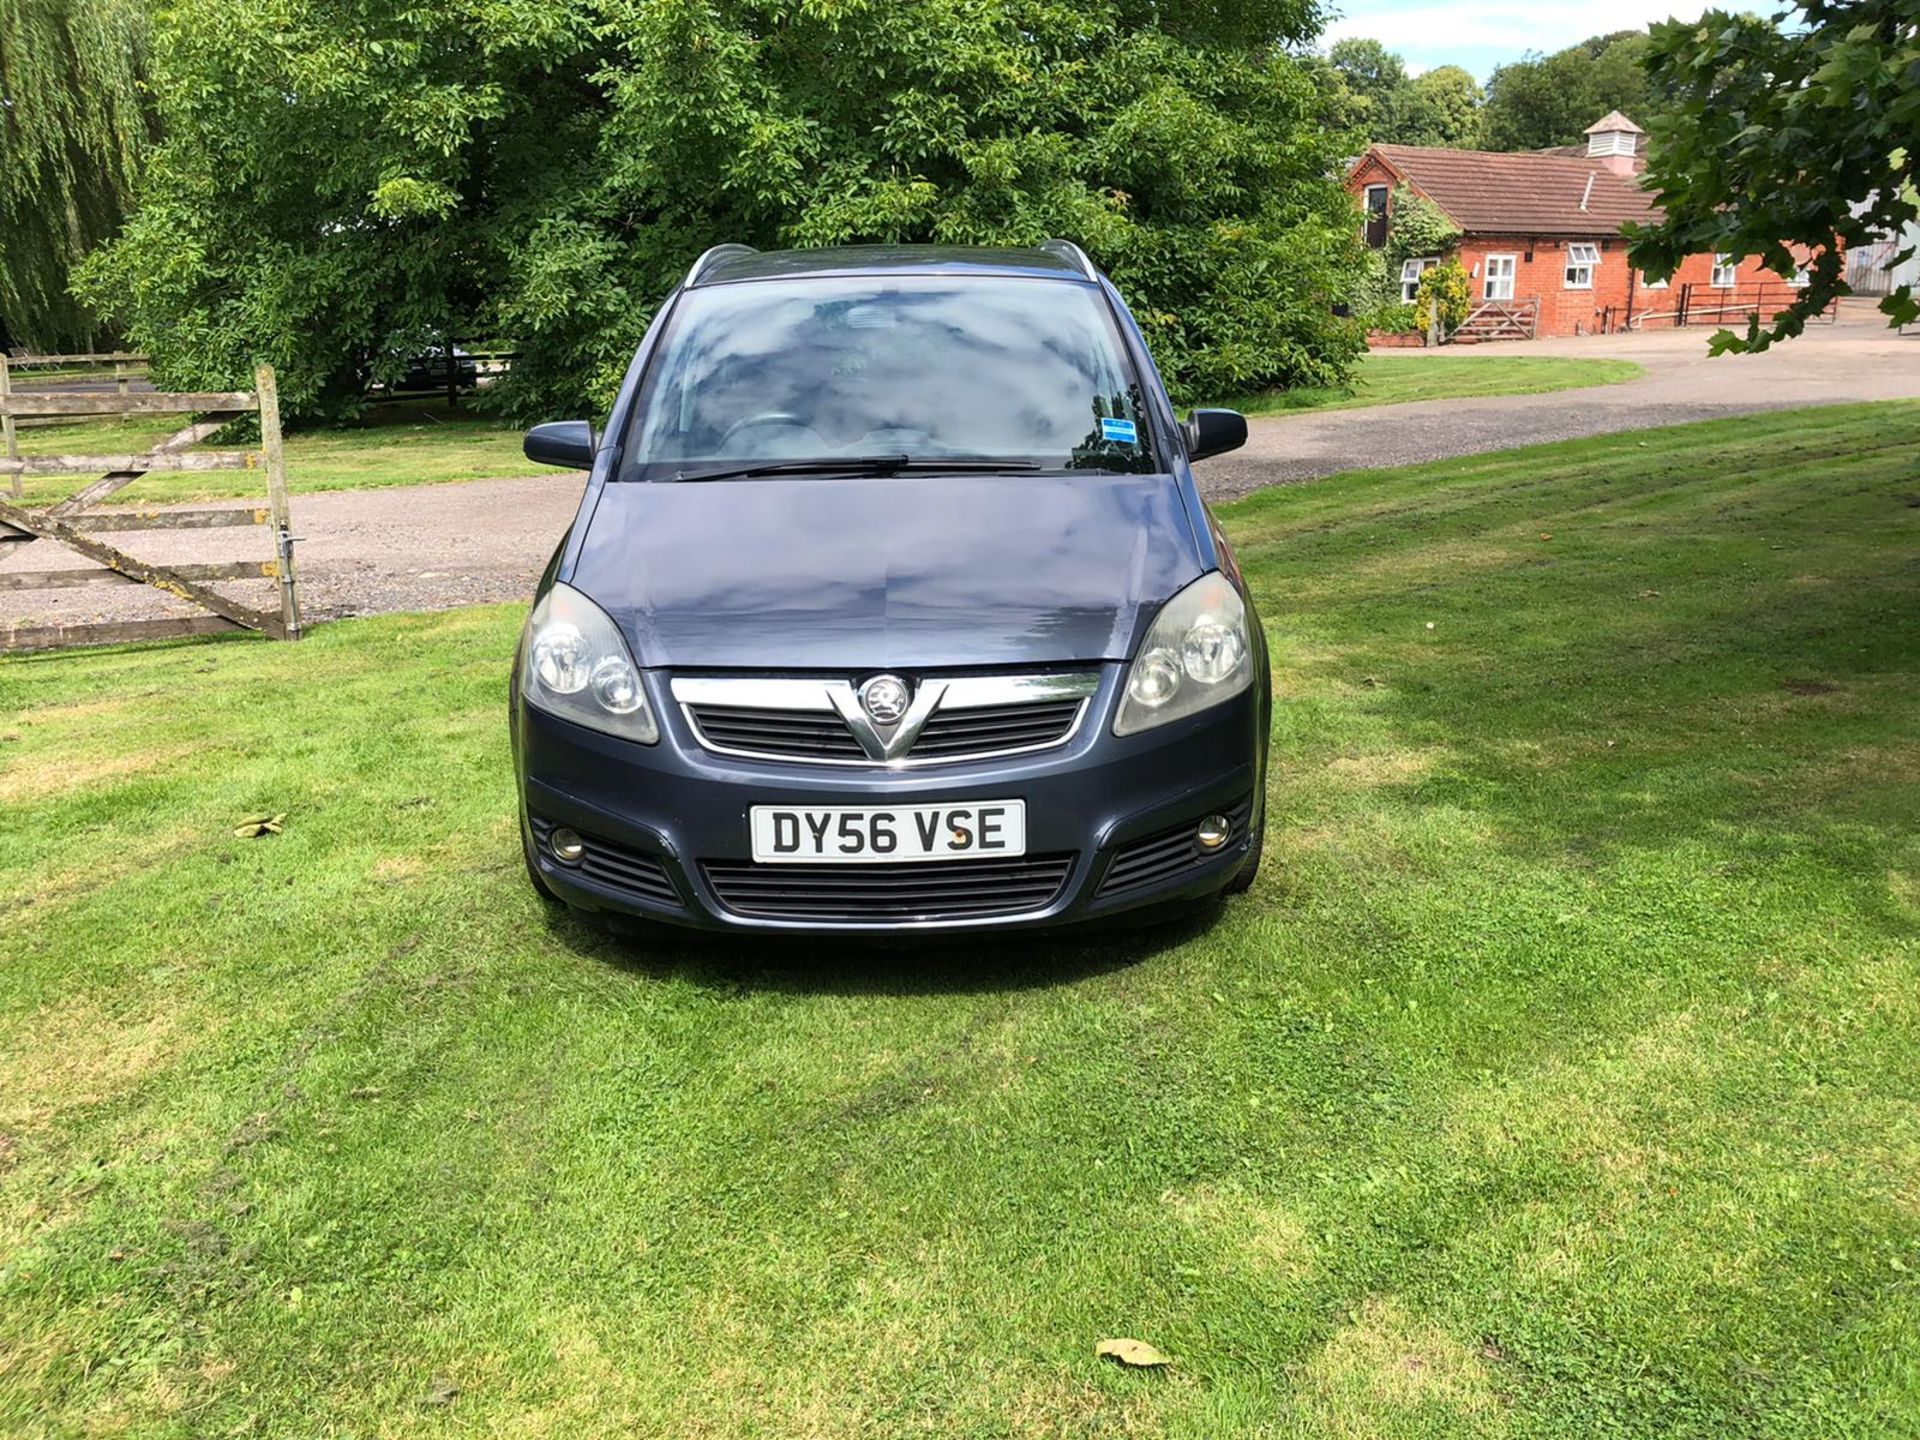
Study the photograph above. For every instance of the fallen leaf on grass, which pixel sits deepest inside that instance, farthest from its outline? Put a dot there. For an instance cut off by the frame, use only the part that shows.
(1136, 1353)
(254, 826)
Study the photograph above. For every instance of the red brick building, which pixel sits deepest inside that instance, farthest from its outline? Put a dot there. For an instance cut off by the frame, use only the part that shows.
(1540, 237)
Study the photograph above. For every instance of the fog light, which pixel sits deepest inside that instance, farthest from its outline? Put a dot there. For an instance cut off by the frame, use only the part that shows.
(567, 846)
(1213, 832)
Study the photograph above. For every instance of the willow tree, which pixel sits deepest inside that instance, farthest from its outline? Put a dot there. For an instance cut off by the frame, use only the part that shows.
(73, 126)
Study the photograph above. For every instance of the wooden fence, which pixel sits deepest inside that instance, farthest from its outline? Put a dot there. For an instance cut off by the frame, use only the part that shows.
(64, 523)
(1695, 304)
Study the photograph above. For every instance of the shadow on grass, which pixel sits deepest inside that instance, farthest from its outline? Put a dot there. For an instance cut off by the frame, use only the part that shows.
(946, 964)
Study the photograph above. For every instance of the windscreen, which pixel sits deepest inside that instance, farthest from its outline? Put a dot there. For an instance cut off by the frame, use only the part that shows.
(1030, 372)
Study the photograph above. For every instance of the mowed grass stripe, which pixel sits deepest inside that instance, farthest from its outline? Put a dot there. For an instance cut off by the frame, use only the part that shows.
(1555, 1079)
(1389, 379)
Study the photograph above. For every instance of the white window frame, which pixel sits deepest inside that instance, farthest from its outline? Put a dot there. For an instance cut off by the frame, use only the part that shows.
(1410, 273)
(1800, 279)
(1726, 272)
(1612, 142)
(1646, 284)
(1512, 273)
(1583, 258)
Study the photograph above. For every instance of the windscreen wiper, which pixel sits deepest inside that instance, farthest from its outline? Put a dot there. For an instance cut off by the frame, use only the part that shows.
(830, 466)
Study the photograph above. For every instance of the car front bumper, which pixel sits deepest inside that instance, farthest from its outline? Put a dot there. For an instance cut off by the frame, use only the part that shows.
(1112, 818)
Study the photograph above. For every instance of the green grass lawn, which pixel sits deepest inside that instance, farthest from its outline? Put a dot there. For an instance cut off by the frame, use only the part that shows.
(415, 442)
(1392, 379)
(1558, 1078)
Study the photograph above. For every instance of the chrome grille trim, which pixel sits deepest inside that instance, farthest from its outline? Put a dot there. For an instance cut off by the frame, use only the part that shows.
(813, 705)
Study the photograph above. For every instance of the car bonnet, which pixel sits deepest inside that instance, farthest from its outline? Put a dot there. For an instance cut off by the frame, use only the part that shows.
(918, 570)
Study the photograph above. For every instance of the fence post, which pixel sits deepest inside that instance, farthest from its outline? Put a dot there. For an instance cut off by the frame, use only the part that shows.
(7, 431)
(266, 387)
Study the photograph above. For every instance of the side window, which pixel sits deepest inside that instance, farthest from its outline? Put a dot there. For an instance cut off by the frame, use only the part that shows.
(1726, 272)
(1582, 259)
(1410, 273)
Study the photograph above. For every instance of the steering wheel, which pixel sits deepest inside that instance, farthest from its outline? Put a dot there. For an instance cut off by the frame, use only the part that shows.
(769, 417)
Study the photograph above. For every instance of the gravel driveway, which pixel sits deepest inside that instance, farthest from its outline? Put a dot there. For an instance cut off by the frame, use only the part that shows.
(436, 546)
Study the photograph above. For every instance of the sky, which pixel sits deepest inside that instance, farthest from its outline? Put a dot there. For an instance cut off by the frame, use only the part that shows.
(1480, 34)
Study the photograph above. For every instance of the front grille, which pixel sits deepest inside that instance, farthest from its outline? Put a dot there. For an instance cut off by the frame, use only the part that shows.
(1169, 854)
(863, 894)
(638, 874)
(991, 729)
(803, 719)
(802, 734)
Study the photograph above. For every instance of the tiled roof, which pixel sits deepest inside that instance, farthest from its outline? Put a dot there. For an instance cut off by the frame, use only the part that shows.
(1538, 193)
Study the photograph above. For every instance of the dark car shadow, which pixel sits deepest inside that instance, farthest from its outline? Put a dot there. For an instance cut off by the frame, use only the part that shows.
(947, 965)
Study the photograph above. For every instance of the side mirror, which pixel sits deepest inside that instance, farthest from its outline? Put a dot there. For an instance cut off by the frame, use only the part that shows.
(563, 442)
(1212, 432)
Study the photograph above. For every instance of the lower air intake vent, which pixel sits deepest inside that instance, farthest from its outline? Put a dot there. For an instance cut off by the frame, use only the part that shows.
(880, 894)
(1169, 854)
(638, 874)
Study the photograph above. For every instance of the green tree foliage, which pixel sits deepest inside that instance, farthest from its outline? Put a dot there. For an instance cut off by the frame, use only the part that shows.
(1371, 71)
(1545, 100)
(1417, 228)
(1440, 107)
(1443, 290)
(1444, 109)
(343, 181)
(1754, 101)
(73, 126)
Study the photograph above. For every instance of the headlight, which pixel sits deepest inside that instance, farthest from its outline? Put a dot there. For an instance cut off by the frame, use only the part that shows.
(1197, 653)
(576, 666)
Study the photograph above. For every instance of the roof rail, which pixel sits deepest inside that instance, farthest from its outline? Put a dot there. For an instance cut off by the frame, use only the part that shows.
(1073, 254)
(707, 257)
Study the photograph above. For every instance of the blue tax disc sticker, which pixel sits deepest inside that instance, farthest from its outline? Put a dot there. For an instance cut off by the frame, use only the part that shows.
(1123, 432)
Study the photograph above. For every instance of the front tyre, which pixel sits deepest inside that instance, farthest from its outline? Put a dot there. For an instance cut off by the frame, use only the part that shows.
(1250, 867)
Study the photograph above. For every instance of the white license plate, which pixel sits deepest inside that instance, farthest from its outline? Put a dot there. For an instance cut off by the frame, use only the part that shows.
(885, 834)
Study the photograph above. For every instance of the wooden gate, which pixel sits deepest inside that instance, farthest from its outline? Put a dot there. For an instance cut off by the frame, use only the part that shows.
(1499, 320)
(67, 524)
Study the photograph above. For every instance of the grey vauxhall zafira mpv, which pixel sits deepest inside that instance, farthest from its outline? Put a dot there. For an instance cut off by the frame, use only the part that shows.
(891, 606)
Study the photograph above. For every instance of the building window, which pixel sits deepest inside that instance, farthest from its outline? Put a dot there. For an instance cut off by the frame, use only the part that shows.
(1498, 284)
(1611, 142)
(1410, 274)
(1581, 260)
(1647, 284)
(1726, 272)
(1800, 279)
(1376, 216)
